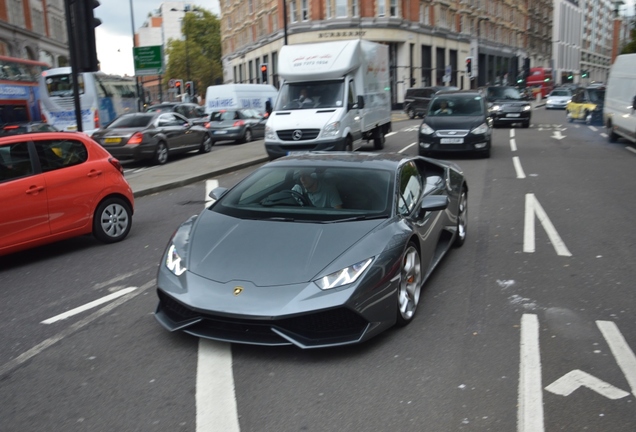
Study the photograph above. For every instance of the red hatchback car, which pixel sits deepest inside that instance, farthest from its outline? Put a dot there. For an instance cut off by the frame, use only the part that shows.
(57, 185)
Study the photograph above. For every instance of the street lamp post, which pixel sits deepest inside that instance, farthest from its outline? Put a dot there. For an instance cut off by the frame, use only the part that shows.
(285, 20)
(140, 96)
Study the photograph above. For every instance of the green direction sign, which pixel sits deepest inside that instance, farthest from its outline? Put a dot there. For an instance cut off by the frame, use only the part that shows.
(148, 60)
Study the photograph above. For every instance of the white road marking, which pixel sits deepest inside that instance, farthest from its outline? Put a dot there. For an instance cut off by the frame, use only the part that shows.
(518, 168)
(530, 396)
(512, 133)
(571, 381)
(390, 134)
(210, 185)
(557, 135)
(407, 147)
(27, 355)
(121, 277)
(88, 306)
(593, 128)
(533, 207)
(215, 395)
(513, 145)
(630, 149)
(603, 134)
(622, 352)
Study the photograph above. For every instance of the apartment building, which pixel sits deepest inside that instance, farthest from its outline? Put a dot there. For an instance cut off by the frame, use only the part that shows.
(34, 30)
(429, 40)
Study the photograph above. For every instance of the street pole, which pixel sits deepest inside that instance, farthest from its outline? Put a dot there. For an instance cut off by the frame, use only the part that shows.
(285, 20)
(139, 93)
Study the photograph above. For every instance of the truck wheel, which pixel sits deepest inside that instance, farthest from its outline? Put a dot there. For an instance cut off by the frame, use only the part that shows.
(378, 138)
(411, 113)
(611, 135)
(348, 144)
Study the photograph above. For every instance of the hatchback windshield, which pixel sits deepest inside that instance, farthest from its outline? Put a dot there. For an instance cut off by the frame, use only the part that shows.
(132, 121)
(597, 95)
(456, 105)
(560, 93)
(498, 93)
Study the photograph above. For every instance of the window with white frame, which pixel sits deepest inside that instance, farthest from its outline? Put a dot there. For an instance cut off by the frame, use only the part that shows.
(443, 17)
(250, 7)
(425, 16)
(354, 8)
(341, 8)
(16, 13)
(274, 21)
(328, 10)
(37, 21)
(293, 12)
(394, 8)
(305, 11)
(381, 8)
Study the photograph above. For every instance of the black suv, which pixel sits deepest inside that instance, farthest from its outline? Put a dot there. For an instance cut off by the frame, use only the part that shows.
(416, 99)
(507, 105)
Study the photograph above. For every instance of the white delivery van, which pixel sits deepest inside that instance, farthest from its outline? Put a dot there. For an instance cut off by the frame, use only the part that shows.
(239, 96)
(333, 95)
(620, 99)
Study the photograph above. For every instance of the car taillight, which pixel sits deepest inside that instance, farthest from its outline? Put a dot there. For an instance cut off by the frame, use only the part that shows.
(10, 127)
(239, 123)
(137, 138)
(96, 119)
(206, 125)
(114, 162)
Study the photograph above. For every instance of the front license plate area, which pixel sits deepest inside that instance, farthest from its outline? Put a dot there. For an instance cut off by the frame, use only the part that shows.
(451, 141)
(513, 115)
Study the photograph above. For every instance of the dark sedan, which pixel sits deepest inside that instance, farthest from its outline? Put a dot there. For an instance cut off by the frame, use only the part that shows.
(152, 135)
(456, 122)
(507, 106)
(267, 264)
(240, 126)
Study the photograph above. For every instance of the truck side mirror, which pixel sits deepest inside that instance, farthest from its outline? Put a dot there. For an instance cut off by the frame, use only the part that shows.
(360, 102)
(634, 104)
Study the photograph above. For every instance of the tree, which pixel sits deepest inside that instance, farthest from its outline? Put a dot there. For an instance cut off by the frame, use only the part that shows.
(630, 47)
(202, 58)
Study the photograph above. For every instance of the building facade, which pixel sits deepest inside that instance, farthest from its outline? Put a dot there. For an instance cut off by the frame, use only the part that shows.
(429, 40)
(34, 30)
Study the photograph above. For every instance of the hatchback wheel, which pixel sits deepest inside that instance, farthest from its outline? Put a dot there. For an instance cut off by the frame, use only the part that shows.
(206, 144)
(161, 154)
(410, 285)
(112, 220)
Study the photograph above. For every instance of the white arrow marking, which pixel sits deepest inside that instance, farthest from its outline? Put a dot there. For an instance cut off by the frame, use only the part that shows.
(571, 381)
(557, 135)
(622, 352)
(533, 207)
(530, 396)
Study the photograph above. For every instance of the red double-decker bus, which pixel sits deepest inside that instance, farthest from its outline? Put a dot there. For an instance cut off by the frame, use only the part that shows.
(19, 92)
(541, 81)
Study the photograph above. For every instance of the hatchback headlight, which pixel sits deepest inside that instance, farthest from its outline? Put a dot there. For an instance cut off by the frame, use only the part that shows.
(426, 129)
(481, 129)
(345, 276)
(527, 107)
(495, 108)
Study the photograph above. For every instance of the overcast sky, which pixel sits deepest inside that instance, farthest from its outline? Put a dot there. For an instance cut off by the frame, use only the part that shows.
(115, 35)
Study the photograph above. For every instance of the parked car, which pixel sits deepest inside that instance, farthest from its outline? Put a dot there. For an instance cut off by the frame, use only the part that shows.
(587, 105)
(193, 112)
(238, 125)
(57, 185)
(507, 106)
(25, 127)
(416, 99)
(153, 135)
(341, 276)
(464, 125)
(558, 98)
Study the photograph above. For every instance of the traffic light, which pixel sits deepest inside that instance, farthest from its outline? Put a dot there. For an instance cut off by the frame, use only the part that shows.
(82, 34)
(526, 67)
(413, 82)
(469, 67)
(178, 85)
(189, 88)
(264, 73)
(584, 74)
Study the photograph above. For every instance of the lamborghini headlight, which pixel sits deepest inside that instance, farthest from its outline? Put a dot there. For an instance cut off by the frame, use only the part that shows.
(174, 262)
(345, 276)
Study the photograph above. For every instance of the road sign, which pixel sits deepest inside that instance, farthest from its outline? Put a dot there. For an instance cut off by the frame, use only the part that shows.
(172, 82)
(148, 60)
(446, 78)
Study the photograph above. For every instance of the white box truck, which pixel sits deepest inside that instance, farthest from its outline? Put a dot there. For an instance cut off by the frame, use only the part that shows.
(333, 95)
(239, 96)
(619, 109)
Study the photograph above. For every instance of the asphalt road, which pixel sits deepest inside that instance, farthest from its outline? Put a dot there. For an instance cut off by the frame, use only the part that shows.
(512, 334)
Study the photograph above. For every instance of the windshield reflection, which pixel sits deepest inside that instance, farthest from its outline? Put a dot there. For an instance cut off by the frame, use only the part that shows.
(310, 95)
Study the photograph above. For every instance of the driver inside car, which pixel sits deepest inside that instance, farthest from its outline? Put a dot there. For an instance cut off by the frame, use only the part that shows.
(320, 193)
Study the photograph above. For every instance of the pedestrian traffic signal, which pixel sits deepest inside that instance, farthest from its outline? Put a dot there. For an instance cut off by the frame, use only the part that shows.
(264, 73)
(178, 85)
(82, 35)
(584, 74)
(189, 88)
(469, 66)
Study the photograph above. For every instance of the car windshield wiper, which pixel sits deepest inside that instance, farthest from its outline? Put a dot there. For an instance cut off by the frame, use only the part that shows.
(356, 218)
(278, 219)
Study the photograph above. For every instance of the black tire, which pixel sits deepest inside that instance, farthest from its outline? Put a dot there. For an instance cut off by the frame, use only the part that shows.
(587, 117)
(411, 113)
(206, 144)
(161, 154)
(526, 124)
(462, 219)
(248, 136)
(410, 288)
(378, 138)
(348, 144)
(611, 135)
(112, 220)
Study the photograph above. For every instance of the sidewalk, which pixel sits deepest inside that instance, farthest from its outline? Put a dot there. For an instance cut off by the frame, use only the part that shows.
(223, 158)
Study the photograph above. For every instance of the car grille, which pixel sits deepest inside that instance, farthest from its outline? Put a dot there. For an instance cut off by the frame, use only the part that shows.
(512, 108)
(306, 134)
(452, 133)
(314, 328)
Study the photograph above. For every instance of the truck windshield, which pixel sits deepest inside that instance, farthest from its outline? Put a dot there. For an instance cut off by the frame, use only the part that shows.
(310, 95)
